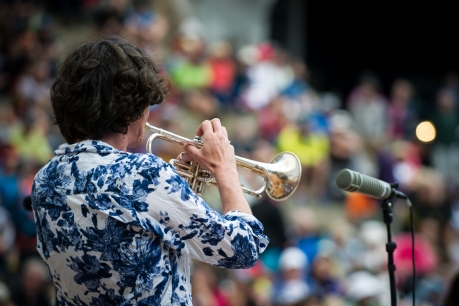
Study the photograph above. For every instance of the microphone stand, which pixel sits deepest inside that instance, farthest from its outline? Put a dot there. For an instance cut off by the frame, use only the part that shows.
(390, 246)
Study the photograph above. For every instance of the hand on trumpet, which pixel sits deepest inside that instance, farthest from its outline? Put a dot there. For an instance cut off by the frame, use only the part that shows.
(217, 154)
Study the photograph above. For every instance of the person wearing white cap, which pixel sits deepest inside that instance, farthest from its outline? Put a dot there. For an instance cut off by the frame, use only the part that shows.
(364, 289)
(292, 287)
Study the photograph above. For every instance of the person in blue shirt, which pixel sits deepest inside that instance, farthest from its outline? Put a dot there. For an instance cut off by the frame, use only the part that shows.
(120, 228)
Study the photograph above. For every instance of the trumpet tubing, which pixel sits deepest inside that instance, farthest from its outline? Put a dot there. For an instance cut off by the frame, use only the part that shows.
(281, 176)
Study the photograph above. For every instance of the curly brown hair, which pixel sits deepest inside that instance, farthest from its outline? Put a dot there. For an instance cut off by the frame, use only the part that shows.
(103, 87)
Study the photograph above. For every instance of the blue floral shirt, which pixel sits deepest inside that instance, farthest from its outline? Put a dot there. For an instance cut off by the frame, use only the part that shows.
(117, 228)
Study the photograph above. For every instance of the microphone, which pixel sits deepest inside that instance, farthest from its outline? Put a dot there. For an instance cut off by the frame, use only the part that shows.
(352, 181)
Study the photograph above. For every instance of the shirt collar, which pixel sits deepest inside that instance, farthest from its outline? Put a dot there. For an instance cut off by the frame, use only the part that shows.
(90, 146)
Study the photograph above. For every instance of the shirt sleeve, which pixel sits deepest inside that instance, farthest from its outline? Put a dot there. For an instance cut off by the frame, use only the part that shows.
(187, 224)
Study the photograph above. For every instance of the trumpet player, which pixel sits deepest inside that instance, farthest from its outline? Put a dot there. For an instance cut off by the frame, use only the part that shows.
(117, 228)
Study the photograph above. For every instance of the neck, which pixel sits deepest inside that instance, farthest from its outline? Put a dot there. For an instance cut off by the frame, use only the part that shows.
(116, 140)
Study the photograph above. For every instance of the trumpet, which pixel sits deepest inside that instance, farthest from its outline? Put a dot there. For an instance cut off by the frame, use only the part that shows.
(281, 176)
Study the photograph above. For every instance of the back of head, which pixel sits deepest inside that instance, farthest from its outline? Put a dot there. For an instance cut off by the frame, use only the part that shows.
(102, 87)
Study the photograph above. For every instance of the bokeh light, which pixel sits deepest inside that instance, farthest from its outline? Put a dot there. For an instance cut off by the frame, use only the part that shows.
(425, 131)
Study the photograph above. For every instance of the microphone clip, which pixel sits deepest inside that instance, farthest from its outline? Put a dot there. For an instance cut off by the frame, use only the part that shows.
(396, 193)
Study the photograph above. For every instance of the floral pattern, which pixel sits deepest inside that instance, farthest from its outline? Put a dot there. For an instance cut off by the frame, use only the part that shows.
(117, 228)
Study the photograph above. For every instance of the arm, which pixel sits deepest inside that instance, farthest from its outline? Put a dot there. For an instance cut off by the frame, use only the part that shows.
(173, 212)
(187, 224)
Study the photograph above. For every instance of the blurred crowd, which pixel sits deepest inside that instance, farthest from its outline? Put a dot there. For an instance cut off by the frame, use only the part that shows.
(327, 246)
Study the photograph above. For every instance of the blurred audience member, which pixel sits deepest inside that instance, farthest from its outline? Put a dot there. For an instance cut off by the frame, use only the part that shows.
(271, 120)
(268, 75)
(432, 208)
(7, 239)
(402, 112)
(363, 289)
(445, 150)
(323, 282)
(5, 295)
(223, 69)
(291, 287)
(29, 137)
(33, 87)
(146, 27)
(369, 109)
(299, 85)
(312, 148)
(426, 262)
(374, 237)
(345, 144)
(108, 20)
(270, 216)
(407, 163)
(206, 290)
(451, 82)
(251, 287)
(190, 68)
(348, 247)
(306, 232)
(33, 287)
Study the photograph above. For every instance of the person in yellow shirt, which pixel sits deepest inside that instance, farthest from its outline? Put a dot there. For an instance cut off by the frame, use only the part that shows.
(312, 148)
(29, 139)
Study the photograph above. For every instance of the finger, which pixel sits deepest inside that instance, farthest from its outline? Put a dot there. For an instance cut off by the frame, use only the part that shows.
(185, 157)
(191, 151)
(205, 126)
(216, 125)
(224, 131)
